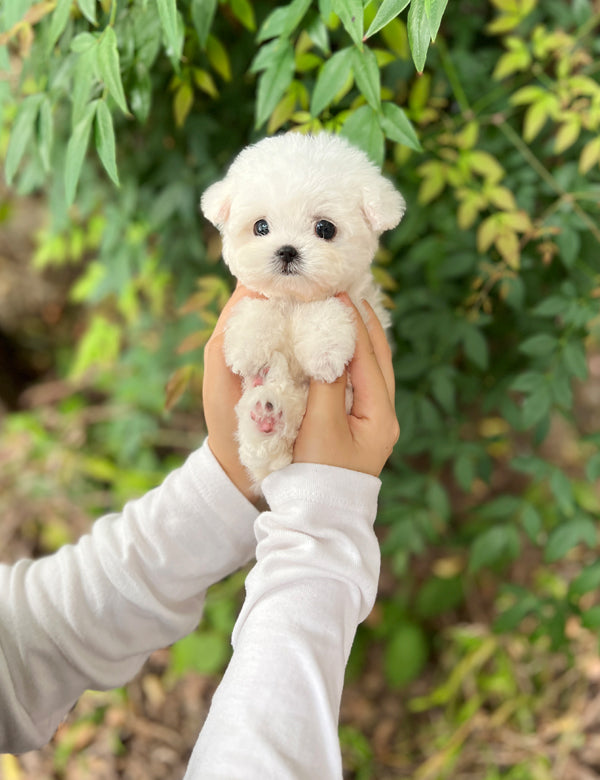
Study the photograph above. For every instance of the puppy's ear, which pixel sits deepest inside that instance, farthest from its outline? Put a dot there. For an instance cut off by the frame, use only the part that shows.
(216, 203)
(383, 206)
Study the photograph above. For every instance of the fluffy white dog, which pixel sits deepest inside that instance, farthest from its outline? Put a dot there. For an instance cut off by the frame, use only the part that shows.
(300, 217)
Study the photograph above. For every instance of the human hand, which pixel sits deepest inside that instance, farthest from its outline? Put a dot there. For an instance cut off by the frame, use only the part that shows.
(221, 390)
(362, 440)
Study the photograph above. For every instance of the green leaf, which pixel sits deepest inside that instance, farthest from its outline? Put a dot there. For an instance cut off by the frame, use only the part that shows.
(551, 306)
(88, 9)
(105, 140)
(331, 80)
(109, 67)
(592, 467)
(475, 346)
(540, 345)
(76, 149)
(204, 652)
(531, 521)
(387, 11)
(45, 133)
(528, 382)
(569, 245)
(501, 507)
(397, 127)
(568, 535)
(366, 73)
(437, 500)
(435, 10)
(140, 97)
(419, 33)
(591, 618)
(60, 17)
(405, 654)
(350, 13)
(244, 12)
(464, 471)
(362, 129)
(586, 581)
(98, 348)
(283, 20)
(574, 359)
(536, 406)
(167, 12)
(85, 75)
(203, 14)
(83, 42)
(499, 543)
(561, 389)
(561, 488)
(274, 81)
(21, 133)
(438, 595)
(526, 604)
(442, 388)
(265, 56)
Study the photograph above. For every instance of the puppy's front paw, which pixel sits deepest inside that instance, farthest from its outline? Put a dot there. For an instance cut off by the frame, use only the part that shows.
(250, 337)
(324, 338)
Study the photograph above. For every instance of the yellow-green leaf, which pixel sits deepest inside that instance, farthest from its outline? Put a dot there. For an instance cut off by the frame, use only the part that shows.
(244, 11)
(502, 198)
(507, 244)
(177, 385)
(195, 340)
(590, 155)
(517, 220)
(182, 103)
(535, 118)
(433, 174)
(218, 57)
(567, 134)
(487, 233)
(205, 82)
(467, 137)
(383, 278)
(282, 113)
(485, 165)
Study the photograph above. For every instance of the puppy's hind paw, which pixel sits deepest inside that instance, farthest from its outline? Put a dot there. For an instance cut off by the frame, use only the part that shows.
(266, 417)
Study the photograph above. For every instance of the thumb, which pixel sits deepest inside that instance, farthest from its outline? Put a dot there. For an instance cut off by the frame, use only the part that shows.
(326, 400)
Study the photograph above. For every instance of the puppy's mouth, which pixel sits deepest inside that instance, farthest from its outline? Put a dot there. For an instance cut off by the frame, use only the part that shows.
(287, 261)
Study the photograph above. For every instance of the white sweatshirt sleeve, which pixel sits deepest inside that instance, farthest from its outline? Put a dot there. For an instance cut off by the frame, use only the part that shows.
(89, 615)
(275, 713)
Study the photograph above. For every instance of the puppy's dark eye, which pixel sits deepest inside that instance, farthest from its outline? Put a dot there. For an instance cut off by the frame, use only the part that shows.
(261, 227)
(325, 229)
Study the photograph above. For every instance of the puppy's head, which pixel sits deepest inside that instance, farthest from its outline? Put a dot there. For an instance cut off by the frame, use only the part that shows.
(300, 215)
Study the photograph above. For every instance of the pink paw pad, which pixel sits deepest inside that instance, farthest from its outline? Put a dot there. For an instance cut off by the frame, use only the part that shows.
(259, 379)
(265, 418)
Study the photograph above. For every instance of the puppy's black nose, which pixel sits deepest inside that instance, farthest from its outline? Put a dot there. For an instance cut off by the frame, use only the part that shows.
(287, 253)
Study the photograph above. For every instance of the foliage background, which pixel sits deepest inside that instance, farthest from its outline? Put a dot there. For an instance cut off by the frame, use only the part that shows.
(114, 118)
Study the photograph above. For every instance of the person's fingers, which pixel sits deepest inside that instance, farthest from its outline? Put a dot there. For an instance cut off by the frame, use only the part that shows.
(382, 349)
(324, 425)
(326, 400)
(371, 395)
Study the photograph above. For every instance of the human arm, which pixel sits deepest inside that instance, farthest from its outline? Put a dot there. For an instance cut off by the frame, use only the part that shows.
(89, 615)
(276, 711)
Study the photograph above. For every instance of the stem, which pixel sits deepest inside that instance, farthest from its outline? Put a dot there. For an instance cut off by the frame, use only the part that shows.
(452, 76)
(545, 174)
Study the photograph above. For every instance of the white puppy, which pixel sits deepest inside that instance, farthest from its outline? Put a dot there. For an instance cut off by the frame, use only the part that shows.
(300, 217)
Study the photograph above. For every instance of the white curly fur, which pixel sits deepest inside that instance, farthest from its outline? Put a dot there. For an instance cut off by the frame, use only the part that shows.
(299, 330)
